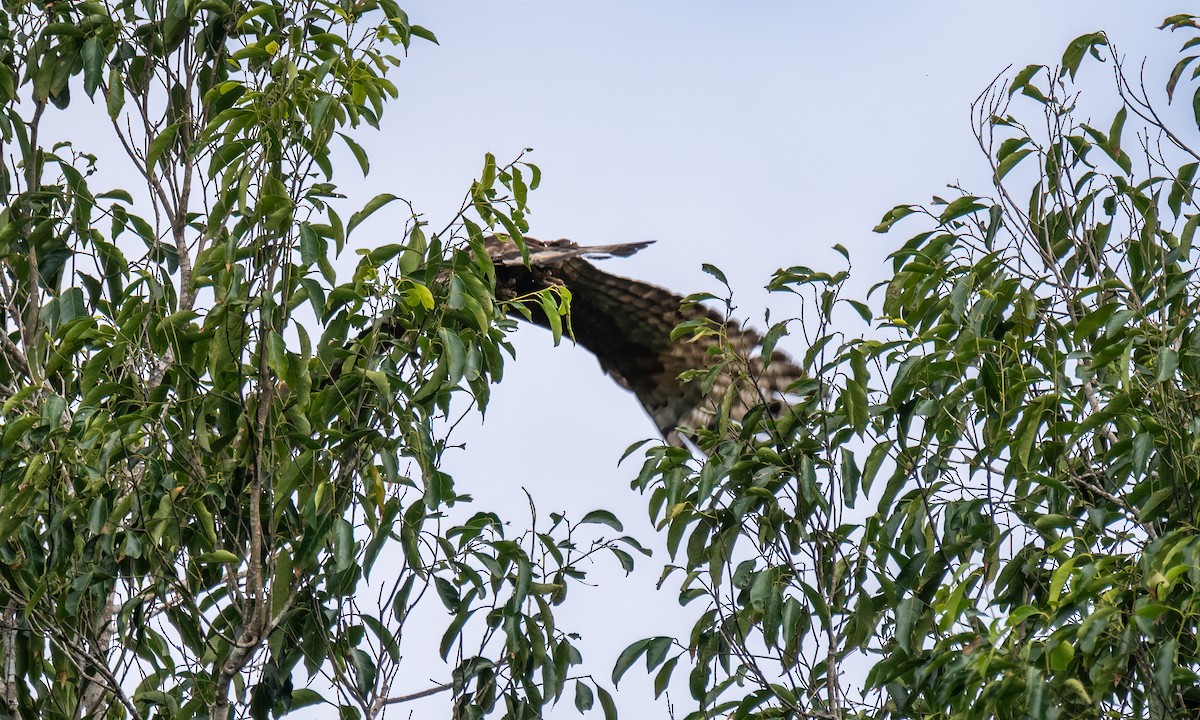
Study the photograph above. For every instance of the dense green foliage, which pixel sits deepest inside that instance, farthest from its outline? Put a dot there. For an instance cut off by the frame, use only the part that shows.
(982, 505)
(1023, 417)
(209, 438)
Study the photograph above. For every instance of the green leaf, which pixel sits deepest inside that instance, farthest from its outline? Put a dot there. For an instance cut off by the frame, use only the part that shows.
(656, 651)
(222, 557)
(1182, 188)
(583, 696)
(1187, 236)
(552, 313)
(423, 33)
(384, 253)
(856, 392)
(448, 594)
(284, 578)
(1061, 656)
(959, 207)
(1196, 107)
(160, 144)
(1093, 627)
(303, 697)
(1037, 699)
(874, 461)
(99, 515)
(1165, 664)
(1093, 321)
(1008, 163)
(627, 658)
(1058, 581)
(1177, 73)
(118, 194)
(606, 702)
(277, 354)
(1168, 362)
(116, 92)
(850, 477)
(487, 178)
(344, 546)
(772, 337)
(364, 670)
(1009, 146)
(454, 348)
(906, 618)
(53, 408)
(7, 86)
(266, 10)
(1114, 133)
(893, 216)
(715, 272)
(1026, 433)
(1018, 616)
(1149, 510)
(1078, 48)
(602, 517)
(663, 677)
(372, 205)
(421, 295)
(414, 251)
(360, 155)
(379, 380)
(93, 64)
(698, 681)
(1021, 79)
(863, 310)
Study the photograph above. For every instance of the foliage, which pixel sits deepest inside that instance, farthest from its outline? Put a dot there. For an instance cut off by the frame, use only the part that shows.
(210, 440)
(1024, 420)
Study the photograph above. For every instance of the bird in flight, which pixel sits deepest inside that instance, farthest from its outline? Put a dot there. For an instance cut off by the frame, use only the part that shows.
(627, 325)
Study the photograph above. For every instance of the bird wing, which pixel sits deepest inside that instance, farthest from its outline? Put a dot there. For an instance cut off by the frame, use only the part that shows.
(627, 325)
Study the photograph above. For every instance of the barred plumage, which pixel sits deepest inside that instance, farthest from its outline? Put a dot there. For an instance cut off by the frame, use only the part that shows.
(627, 325)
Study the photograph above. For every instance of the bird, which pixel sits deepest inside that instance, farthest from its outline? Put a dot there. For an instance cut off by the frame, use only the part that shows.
(627, 325)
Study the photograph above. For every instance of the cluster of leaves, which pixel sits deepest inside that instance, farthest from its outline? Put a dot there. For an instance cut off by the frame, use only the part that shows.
(1047, 402)
(757, 533)
(1025, 420)
(209, 440)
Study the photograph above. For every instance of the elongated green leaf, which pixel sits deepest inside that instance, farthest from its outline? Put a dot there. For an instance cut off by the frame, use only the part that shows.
(160, 144)
(1005, 166)
(1078, 48)
(1168, 362)
(364, 162)
(553, 314)
(372, 205)
(959, 207)
(116, 92)
(1022, 79)
(627, 658)
(454, 348)
(583, 696)
(777, 331)
(217, 556)
(93, 57)
(344, 546)
(606, 702)
(1149, 510)
(893, 216)
(602, 517)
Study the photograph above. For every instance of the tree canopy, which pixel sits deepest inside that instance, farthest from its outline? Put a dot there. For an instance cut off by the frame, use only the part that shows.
(981, 494)
(209, 437)
(985, 499)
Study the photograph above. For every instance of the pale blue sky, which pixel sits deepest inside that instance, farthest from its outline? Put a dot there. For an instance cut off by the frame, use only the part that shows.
(750, 135)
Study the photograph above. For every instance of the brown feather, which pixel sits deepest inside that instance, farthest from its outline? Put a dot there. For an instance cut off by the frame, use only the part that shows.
(627, 325)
